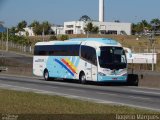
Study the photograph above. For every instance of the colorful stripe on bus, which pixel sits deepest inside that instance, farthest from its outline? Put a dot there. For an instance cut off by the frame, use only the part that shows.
(68, 65)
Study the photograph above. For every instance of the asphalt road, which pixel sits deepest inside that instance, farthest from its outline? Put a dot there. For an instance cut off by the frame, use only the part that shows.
(146, 98)
(21, 58)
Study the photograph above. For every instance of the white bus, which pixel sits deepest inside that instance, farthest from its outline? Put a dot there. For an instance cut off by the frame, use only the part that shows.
(83, 59)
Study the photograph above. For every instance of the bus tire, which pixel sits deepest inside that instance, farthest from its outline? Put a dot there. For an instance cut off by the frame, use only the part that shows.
(82, 78)
(46, 75)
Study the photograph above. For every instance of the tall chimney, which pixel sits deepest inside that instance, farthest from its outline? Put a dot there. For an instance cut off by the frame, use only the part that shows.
(101, 10)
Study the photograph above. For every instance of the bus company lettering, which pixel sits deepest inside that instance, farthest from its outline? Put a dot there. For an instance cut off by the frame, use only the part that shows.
(39, 60)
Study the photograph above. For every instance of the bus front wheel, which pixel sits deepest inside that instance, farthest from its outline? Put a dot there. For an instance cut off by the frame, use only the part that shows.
(82, 78)
(46, 75)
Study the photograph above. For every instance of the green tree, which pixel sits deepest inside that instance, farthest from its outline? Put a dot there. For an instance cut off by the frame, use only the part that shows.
(117, 21)
(64, 37)
(137, 28)
(140, 27)
(38, 28)
(155, 23)
(21, 25)
(53, 37)
(34, 24)
(90, 28)
(85, 18)
(13, 30)
(95, 29)
(47, 27)
(146, 25)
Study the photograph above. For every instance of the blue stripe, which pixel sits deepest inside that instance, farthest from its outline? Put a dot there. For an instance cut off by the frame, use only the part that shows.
(58, 61)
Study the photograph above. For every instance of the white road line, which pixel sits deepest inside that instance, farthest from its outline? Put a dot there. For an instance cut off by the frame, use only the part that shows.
(140, 91)
(110, 94)
(143, 98)
(116, 95)
(21, 76)
(75, 96)
(19, 87)
(147, 88)
(131, 87)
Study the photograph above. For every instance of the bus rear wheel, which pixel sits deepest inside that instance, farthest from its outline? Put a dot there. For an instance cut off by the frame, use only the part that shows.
(82, 78)
(46, 75)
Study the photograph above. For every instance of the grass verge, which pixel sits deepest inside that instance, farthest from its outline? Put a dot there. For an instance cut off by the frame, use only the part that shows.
(14, 102)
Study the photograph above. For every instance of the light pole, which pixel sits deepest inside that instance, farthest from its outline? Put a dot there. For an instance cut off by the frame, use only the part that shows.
(152, 39)
(43, 33)
(7, 40)
(152, 42)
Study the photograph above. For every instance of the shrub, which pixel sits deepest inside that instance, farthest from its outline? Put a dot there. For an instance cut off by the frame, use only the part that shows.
(53, 37)
(64, 37)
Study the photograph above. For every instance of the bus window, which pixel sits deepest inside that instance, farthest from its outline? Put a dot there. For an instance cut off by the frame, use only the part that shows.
(112, 58)
(89, 54)
(57, 50)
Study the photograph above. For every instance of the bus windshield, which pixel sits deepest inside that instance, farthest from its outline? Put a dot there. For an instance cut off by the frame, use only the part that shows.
(112, 58)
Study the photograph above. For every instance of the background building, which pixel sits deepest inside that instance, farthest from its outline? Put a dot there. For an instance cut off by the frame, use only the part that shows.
(77, 27)
(28, 31)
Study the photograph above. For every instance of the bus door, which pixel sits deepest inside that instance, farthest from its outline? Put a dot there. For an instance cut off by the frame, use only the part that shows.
(94, 67)
(94, 73)
(88, 70)
(88, 53)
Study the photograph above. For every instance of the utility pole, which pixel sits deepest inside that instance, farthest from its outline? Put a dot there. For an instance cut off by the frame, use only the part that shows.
(43, 34)
(152, 42)
(2, 40)
(7, 40)
(152, 39)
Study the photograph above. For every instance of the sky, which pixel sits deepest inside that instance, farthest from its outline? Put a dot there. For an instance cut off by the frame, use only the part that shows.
(59, 11)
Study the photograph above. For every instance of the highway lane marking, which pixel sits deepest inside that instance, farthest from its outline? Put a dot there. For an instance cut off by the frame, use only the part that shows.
(38, 79)
(20, 76)
(116, 95)
(7, 85)
(12, 87)
(140, 91)
(60, 83)
(103, 93)
(147, 88)
(134, 97)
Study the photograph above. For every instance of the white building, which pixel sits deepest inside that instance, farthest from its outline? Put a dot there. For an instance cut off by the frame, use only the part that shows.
(74, 27)
(77, 27)
(28, 31)
(58, 30)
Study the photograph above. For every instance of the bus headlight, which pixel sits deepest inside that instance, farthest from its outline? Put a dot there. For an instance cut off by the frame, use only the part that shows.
(101, 74)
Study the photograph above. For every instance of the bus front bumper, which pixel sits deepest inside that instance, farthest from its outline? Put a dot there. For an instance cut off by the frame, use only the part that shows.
(112, 78)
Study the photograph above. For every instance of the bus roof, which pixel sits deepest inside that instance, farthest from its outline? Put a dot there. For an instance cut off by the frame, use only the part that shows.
(108, 41)
(78, 41)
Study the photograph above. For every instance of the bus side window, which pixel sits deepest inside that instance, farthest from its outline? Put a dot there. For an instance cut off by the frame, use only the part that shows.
(40, 51)
(89, 54)
(57, 50)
